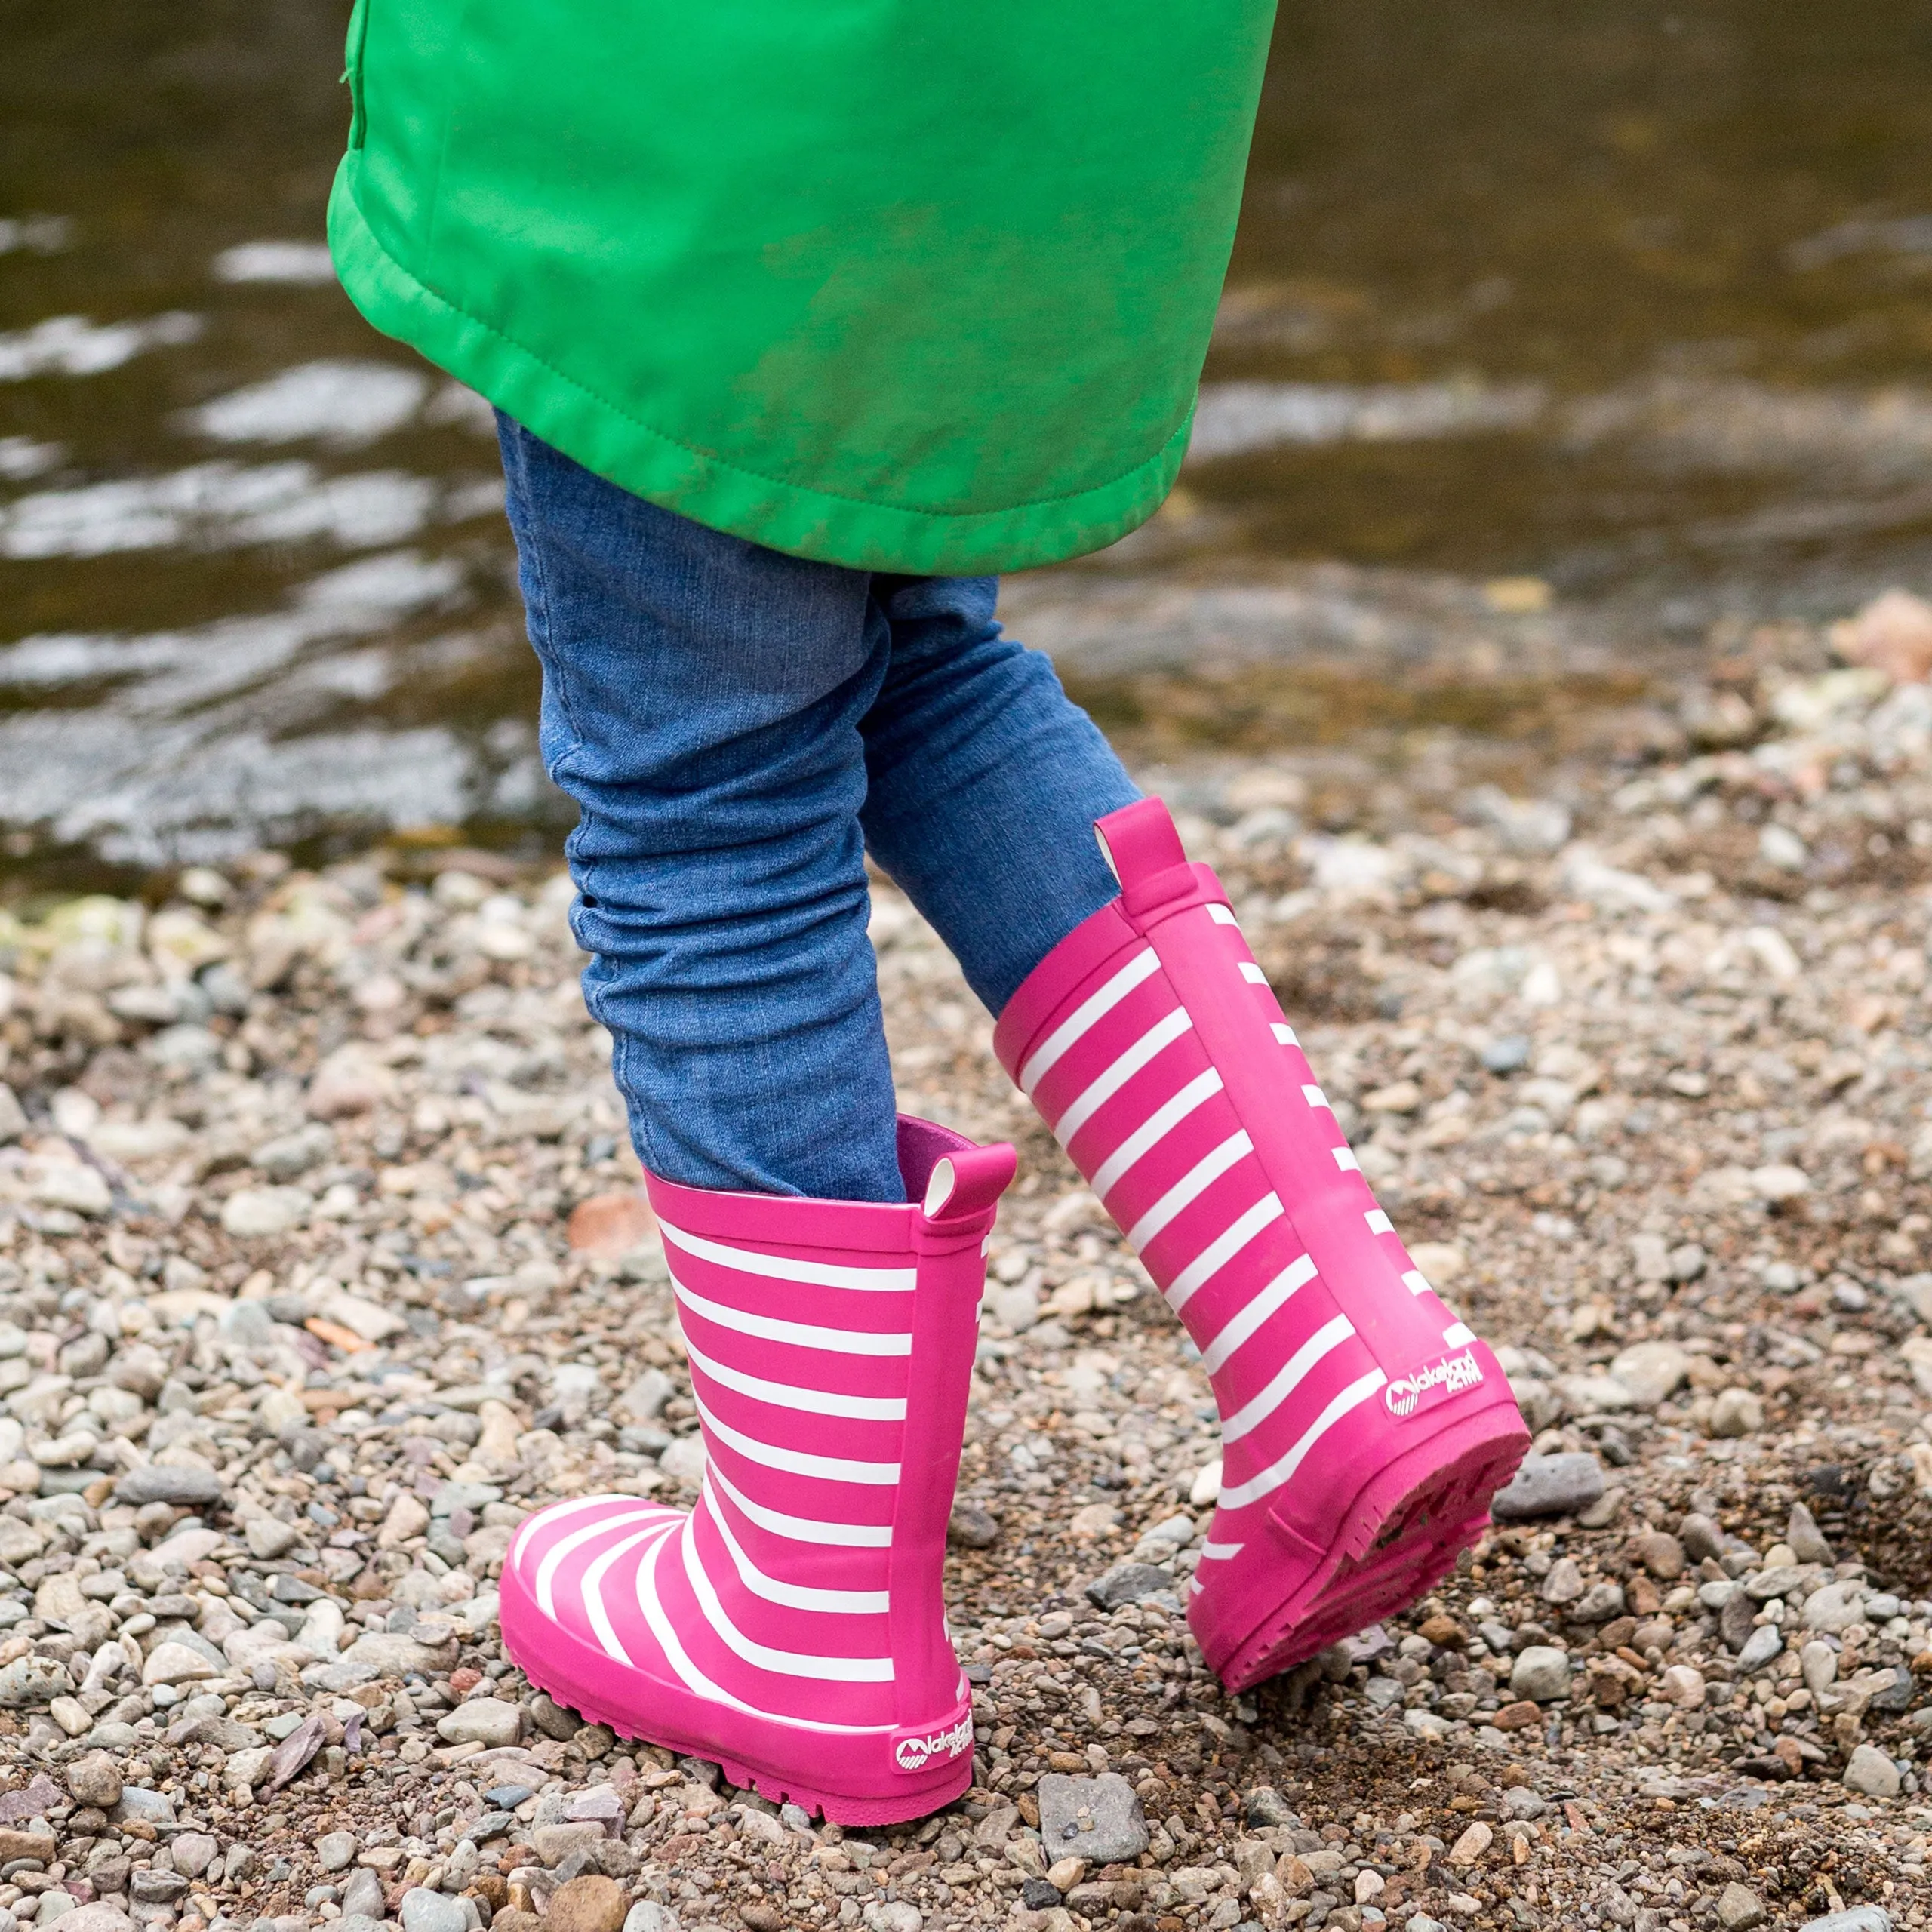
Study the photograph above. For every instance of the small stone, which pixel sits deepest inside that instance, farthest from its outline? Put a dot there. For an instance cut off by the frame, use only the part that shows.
(1473, 1843)
(1819, 1663)
(587, 1904)
(1860, 1918)
(485, 1721)
(33, 1680)
(644, 1401)
(1652, 1371)
(610, 1224)
(1831, 1610)
(1806, 1541)
(685, 1460)
(1683, 1685)
(173, 1663)
(969, 1527)
(1660, 1553)
(894, 1915)
(16, 1844)
(362, 1893)
(1565, 1583)
(183, 1485)
(555, 1843)
(101, 1917)
(1098, 1819)
(336, 1850)
(1549, 1486)
(1870, 1771)
(408, 1516)
(268, 1537)
(194, 1853)
(1206, 1487)
(1702, 1539)
(71, 1714)
(1739, 1908)
(1128, 1583)
(425, 1911)
(95, 1779)
(1764, 1644)
(1541, 1672)
(1736, 1412)
(264, 1213)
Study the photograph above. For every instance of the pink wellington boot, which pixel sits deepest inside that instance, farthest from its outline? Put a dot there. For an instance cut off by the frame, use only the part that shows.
(1363, 1427)
(790, 1627)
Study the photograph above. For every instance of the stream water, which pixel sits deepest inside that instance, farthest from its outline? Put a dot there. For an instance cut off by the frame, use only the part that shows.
(1558, 341)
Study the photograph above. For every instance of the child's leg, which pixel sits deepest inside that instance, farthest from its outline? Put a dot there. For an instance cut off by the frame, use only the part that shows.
(702, 703)
(986, 780)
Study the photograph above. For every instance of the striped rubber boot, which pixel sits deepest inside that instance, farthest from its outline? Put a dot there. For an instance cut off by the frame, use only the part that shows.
(1363, 1427)
(790, 1628)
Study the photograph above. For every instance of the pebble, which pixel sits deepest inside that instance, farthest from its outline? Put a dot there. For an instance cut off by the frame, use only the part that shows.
(1860, 1919)
(336, 1850)
(590, 1903)
(1540, 1673)
(182, 1484)
(1764, 1644)
(1737, 1412)
(1869, 1771)
(1556, 1485)
(485, 1721)
(94, 1779)
(1739, 1909)
(423, 1910)
(1098, 1819)
(362, 1894)
(1128, 1583)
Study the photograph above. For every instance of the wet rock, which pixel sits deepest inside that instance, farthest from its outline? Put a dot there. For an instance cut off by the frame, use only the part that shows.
(1098, 1819)
(1556, 1485)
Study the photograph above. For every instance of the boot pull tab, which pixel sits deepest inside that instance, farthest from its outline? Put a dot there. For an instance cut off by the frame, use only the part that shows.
(969, 1182)
(1143, 848)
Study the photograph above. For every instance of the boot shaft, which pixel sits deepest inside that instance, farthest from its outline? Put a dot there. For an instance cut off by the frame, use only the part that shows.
(830, 1346)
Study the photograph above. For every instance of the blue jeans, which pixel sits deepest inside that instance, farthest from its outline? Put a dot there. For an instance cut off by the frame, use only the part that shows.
(739, 728)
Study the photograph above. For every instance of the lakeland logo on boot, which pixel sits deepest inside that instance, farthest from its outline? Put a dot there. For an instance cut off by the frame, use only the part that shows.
(1451, 1376)
(915, 1754)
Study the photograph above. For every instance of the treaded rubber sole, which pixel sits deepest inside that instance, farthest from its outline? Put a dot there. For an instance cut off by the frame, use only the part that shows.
(746, 1773)
(1401, 1537)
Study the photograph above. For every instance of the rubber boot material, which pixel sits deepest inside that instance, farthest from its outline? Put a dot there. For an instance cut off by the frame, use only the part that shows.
(790, 1627)
(1363, 1426)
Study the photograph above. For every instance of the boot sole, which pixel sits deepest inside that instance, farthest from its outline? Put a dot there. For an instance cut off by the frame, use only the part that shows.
(1399, 1536)
(570, 1671)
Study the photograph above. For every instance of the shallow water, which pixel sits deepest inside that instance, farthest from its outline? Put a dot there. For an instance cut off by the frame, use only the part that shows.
(1624, 304)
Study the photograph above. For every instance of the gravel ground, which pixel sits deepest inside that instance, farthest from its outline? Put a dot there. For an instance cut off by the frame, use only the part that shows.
(321, 1262)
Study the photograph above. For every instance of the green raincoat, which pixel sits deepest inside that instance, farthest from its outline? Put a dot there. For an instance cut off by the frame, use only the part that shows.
(911, 287)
